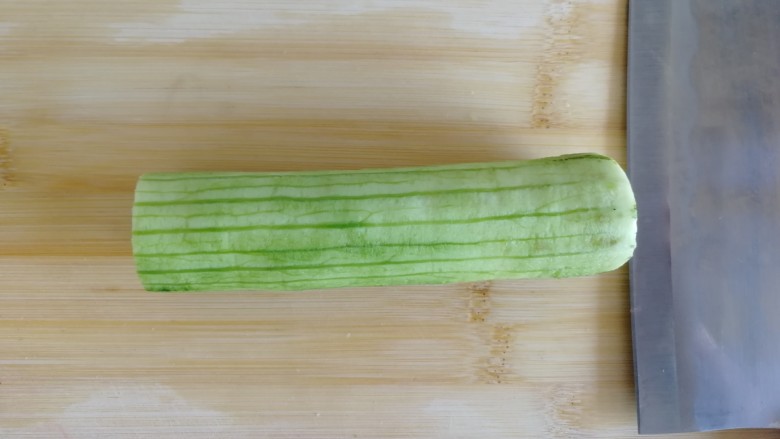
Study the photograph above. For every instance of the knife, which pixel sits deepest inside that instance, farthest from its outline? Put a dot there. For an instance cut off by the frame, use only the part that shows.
(704, 160)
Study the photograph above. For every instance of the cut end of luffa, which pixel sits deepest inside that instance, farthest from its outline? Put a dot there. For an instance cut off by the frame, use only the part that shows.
(565, 216)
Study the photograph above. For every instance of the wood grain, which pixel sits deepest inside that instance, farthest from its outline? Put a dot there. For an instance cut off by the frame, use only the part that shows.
(93, 93)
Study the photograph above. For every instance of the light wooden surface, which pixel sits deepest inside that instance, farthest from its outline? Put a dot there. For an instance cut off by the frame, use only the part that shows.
(95, 92)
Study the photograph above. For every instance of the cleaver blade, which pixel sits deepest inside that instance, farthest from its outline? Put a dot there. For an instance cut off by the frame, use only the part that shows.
(704, 160)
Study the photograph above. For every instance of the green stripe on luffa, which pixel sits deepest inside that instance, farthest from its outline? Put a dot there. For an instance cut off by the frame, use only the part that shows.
(371, 196)
(461, 270)
(364, 247)
(350, 210)
(291, 184)
(377, 254)
(449, 223)
(431, 277)
(368, 244)
(362, 173)
(454, 207)
(296, 181)
(387, 263)
(363, 224)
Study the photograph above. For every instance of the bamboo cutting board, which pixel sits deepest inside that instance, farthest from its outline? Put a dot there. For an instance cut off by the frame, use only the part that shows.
(94, 92)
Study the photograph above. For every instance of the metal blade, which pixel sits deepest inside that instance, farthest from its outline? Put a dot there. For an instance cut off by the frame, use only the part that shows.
(704, 159)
